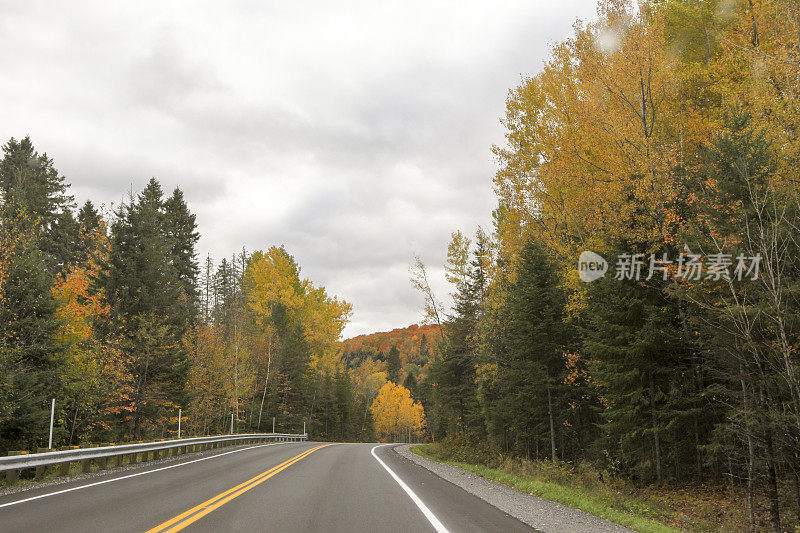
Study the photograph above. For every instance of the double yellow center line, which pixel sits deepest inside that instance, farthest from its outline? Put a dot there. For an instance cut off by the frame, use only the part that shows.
(196, 513)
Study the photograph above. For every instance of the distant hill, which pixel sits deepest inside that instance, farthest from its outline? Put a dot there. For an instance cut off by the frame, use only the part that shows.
(414, 343)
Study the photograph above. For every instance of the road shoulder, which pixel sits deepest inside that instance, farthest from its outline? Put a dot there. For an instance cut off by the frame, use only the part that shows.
(544, 515)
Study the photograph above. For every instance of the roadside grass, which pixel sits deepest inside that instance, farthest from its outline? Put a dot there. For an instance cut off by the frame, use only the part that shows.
(646, 509)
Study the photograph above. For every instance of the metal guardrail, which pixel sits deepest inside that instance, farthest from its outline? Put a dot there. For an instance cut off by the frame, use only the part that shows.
(20, 460)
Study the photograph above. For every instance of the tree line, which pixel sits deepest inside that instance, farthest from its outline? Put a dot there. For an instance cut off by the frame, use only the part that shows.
(112, 314)
(662, 138)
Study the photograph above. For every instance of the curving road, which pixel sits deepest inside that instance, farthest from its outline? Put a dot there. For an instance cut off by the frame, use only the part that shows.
(276, 487)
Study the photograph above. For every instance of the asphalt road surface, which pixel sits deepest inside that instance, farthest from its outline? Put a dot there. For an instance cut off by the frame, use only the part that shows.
(284, 487)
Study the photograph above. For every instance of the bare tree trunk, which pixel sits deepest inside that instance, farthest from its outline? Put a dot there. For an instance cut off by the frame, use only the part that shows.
(754, 38)
(74, 422)
(796, 492)
(772, 478)
(656, 435)
(772, 485)
(552, 424)
(264, 396)
(751, 455)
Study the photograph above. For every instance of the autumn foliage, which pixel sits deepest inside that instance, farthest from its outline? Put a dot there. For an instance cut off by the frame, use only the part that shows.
(659, 128)
(397, 416)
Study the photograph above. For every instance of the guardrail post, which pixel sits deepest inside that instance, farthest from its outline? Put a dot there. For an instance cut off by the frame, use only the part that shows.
(114, 460)
(12, 476)
(40, 470)
(86, 464)
(102, 462)
(64, 468)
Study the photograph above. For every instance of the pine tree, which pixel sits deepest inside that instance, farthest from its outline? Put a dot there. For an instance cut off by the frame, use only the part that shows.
(89, 222)
(148, 305)
(38, 188)
(422, 355)
(181, 229)
(393, 364)
(531, 363)
(750, 326)
(634, 335)
(411, 384)
(29, 352)
(454, 373)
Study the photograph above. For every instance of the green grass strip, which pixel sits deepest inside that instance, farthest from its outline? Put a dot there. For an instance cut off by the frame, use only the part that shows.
(597, 503)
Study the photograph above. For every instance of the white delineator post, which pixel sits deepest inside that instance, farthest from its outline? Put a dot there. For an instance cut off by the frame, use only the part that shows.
(52, 416)
(304, 428)
(231, 423)
(179, 422)
(273, 424)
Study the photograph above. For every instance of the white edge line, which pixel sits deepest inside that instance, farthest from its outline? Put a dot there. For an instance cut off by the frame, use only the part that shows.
(438, 526)
(9, 504)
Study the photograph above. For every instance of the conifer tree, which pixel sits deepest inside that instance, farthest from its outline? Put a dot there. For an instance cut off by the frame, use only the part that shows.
(634, 335)
(41, 191)
(531, 363)
(180, 226)
(454, 372)
(148, 305)
(393, 364)
(29, 351)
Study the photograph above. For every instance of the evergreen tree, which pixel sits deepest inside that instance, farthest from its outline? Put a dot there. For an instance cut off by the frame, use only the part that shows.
(148, 305)
(454, 373)
(181, 229)
(343, 406)
(634, 335)
(29, 352)
(422, 356)
(531, 365)
(88, 222)
(393, 364)
(411, 384)
(39, 189)
(295, 369)
(88, 217)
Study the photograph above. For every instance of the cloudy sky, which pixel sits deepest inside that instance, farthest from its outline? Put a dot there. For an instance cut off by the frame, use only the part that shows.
(356, 133)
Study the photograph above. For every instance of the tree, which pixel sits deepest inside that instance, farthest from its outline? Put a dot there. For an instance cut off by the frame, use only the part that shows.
(97, 386)
(433, 307)
(396, 414)
(180, 228)
(422, 355)
(750, 326)
(454, 373)
(30, 352)
(393, 365)
(535, 339)
(37, 187)
(148, 306)
(411, 384)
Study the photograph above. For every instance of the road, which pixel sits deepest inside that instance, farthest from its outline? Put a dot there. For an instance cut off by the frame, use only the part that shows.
(284, 487)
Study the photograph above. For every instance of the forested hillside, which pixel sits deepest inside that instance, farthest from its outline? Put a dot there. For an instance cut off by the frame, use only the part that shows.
(413, 346)
(111, 314)
(664, 139)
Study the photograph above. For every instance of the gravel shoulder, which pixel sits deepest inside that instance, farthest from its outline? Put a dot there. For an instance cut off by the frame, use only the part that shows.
(543, 515)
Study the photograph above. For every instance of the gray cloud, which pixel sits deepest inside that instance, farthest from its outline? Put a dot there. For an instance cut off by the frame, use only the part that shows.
(356, 133)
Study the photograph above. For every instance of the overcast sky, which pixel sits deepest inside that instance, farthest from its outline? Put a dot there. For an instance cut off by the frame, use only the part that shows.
(356, 133)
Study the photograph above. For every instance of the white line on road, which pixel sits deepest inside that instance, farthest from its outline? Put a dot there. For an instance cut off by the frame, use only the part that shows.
(9, 504)
(438, 526)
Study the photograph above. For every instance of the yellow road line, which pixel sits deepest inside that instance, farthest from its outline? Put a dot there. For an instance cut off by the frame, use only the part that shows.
(196, 513)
